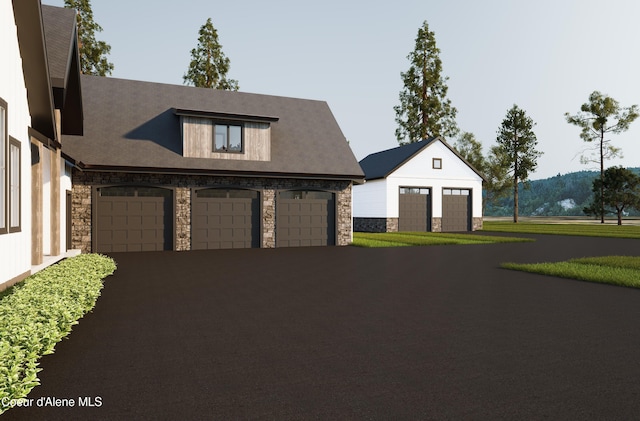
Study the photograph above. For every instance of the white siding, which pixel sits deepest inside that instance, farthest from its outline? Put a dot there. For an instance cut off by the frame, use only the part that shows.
(380, 198)
(419, 172)
(15, 248)
(369, 199)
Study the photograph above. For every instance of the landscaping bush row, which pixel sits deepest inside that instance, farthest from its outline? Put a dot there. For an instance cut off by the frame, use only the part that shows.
(37, 313)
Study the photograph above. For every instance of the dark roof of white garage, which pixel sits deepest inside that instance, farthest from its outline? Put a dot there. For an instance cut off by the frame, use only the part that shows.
(382, 164)
(135, 126)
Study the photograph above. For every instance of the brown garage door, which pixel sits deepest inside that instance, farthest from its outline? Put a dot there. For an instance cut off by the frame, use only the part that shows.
(305, 218)
(225, 218)
(133, 219)
(415, 209)
(456, 210)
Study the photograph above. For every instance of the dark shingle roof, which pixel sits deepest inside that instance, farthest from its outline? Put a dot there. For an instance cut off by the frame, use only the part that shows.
(63, 59)
(381, 164)
(131, 124)
(59, 29)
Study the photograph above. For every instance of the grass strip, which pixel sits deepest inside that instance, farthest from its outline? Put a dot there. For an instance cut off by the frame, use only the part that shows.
(613, 270)
(394, 239)
(588, 230)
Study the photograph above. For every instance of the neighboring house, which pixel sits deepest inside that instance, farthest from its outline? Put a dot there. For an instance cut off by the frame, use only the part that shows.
(169, 167)
(39, 100)
(423, 186)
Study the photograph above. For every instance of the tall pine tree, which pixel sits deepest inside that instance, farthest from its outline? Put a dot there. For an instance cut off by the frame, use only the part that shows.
(598, 118)
(93, 60)
(424, 108)
(516, 149)
(209, 65)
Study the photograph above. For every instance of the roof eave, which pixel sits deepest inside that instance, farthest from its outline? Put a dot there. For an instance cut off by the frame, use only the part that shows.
(356, 178)
(28, 17)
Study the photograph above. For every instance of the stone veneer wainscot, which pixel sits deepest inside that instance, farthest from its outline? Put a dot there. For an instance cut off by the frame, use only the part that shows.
(84, 181)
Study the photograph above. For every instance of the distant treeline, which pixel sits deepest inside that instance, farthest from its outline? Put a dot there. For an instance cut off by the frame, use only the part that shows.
(562, 195)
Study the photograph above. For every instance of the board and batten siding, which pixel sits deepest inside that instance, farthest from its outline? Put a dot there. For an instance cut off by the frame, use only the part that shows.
(197, 135)
(15, 247)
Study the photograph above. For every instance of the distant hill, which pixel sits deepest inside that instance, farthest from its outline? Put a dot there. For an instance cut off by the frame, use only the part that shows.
(562, 195)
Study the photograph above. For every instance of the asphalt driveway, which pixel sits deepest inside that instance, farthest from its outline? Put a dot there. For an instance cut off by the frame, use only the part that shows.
(347, 333)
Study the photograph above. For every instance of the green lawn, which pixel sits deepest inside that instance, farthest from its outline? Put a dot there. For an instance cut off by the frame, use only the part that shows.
(400, 239)
(614, 270)
(584, 229)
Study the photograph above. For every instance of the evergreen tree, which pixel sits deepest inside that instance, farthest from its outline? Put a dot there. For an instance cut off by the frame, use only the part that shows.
(598, 117)
(516, 149)
(93, 60)
(424, 108)
(209, 65)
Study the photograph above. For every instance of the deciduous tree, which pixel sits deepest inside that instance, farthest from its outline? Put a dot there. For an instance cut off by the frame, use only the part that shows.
(516, 150)
(209, 66)
(93, 60)
(620, 190)
(597, 118)
(424, 108)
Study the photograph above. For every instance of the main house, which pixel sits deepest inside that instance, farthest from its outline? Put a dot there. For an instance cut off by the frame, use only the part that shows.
(39, 102)
(422, 186)
(101, 164)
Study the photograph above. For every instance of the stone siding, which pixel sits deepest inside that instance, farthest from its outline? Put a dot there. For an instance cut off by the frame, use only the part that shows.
(436, 224)
(83, 182)
(476, 224)
(375, 224)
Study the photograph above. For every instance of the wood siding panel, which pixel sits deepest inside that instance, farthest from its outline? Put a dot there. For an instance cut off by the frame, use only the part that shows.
(36, 203)
(198, 137)
(197, 134)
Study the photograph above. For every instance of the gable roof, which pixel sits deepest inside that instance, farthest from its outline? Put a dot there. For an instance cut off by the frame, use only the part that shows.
(134, 126)
(382, 164)
(63, 59)
(28, 19)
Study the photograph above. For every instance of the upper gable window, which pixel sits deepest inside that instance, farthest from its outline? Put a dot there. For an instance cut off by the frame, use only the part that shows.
(228, 138)
(437, 163)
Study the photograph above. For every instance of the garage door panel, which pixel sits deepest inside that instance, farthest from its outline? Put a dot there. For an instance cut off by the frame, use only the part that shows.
(132, 223)
(414, 209)
(305, 218)
(226, 219)
(456, 210)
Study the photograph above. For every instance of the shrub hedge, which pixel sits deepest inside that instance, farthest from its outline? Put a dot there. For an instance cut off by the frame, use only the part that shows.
(37, 313)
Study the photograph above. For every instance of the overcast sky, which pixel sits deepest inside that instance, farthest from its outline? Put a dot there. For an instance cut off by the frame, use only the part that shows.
(546, 56)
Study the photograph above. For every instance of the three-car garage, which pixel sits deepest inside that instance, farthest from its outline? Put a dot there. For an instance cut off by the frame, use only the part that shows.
(140, 218)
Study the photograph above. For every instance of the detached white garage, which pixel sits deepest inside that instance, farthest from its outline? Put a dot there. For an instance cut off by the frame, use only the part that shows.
(423, 186)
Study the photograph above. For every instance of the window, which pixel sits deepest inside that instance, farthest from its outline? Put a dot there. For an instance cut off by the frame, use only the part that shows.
(227, 138)
(437, 163)
(415, 190)
(455, 192)
(15, 204)
(3, 167)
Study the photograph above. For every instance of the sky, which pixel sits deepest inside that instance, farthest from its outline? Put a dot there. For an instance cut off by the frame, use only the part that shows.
(546, 56)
